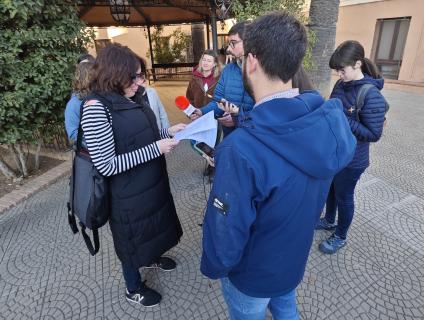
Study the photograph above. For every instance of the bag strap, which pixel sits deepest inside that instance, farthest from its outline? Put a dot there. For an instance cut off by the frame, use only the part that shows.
(360, 98)
(93, 249)
(80, 132)
(71, 215)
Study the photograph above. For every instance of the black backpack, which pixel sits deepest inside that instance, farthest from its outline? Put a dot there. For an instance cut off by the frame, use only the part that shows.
(360, 99)
(89, 199)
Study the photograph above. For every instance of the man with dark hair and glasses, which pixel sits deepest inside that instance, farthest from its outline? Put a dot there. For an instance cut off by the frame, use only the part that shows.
(230, 85)
(272, 177)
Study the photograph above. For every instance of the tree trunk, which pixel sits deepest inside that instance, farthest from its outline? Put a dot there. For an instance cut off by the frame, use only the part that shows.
(37, 156)
(22, 160)
(197, 41)
(323, 17)
(6, 170)
(15, 157)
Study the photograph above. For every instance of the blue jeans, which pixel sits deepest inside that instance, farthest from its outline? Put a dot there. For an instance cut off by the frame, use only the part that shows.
(341, 198)
(132, 277)
(244, 307)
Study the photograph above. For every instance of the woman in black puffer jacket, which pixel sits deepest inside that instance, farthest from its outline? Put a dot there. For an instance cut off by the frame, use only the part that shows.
(126, 145)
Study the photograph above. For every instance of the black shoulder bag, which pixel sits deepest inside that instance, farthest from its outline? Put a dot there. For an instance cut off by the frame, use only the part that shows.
(89, 197)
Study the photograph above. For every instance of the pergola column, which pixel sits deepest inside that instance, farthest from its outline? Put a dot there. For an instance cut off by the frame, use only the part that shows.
(214, 28)
(152, 61)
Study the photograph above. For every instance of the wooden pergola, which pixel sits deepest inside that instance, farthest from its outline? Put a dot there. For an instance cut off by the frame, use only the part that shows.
(148, 13)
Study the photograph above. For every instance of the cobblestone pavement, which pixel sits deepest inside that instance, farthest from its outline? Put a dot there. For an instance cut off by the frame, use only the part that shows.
(47, 273)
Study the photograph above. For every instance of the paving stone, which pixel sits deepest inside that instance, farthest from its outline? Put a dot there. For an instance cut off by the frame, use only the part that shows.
(46, 272)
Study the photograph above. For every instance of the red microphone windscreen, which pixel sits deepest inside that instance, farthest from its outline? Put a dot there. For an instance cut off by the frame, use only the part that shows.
(182, 102)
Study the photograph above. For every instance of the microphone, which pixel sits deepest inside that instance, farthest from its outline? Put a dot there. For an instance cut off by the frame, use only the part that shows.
(184, 105)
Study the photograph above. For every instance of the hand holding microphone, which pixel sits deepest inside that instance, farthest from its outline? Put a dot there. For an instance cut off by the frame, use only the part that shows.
(184, 105)
(196, 114)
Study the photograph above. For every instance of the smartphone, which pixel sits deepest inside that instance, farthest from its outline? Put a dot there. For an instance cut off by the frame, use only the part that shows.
(204, 148)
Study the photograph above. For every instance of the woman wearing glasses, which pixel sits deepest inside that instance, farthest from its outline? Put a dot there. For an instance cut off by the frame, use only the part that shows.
(126, 145)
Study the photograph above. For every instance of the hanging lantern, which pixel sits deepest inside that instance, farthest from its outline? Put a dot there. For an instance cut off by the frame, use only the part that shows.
(223, 24)
(223, 8)
(120, 10)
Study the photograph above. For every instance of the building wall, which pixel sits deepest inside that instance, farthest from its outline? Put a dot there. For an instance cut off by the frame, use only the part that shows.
(358, 22)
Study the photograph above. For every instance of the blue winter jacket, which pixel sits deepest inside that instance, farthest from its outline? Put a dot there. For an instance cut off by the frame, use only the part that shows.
(271, 182)
(72, 117)
(370, 126)
(230, 87)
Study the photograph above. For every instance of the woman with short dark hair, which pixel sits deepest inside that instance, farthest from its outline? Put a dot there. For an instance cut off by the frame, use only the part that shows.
(126, 145)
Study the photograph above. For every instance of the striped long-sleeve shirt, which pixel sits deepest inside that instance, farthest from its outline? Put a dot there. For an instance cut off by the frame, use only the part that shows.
(101, 145)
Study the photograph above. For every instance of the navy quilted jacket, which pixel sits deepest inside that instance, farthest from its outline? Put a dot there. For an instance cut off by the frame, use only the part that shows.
(230, 86)
(371, 117)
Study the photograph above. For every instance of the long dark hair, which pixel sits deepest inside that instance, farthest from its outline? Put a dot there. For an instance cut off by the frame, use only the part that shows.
(301, 80)
(350, 51)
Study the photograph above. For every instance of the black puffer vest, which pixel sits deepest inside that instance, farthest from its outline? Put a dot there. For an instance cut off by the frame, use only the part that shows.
(143, 221)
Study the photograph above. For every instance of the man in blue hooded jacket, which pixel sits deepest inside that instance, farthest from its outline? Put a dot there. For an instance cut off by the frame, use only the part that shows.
(273, 174)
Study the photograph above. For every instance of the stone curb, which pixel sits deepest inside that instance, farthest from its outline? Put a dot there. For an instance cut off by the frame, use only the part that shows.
(16, 196)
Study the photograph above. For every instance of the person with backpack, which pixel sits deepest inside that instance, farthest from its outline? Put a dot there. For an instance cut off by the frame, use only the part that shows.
(365, 107)
(125, 144)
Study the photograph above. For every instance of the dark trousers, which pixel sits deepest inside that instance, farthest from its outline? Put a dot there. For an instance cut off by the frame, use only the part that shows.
(341, 199)
(132, 277)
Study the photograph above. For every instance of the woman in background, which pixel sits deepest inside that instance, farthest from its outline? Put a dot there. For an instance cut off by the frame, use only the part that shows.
(149, 96)
(204, 80)
(202, 85)
(80, 88)
(366, 124)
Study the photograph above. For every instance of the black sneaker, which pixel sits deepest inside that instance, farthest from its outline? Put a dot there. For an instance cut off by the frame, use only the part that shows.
(145, 296)
(164, 263)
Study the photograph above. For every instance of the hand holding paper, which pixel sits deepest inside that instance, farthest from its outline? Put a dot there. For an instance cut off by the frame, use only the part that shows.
(203, 129)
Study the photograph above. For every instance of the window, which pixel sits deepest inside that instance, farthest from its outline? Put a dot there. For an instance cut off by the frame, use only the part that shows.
(389, 43)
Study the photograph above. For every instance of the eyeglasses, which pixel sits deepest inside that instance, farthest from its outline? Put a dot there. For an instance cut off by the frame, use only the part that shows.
(233, 43)
(139, 77)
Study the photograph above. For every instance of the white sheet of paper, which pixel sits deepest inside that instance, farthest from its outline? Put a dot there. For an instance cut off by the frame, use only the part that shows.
(203, 129)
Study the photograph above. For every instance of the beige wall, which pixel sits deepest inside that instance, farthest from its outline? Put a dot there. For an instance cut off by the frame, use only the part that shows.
(357, 22)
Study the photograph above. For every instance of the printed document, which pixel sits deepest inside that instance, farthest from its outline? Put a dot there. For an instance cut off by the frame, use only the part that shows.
(203, 129)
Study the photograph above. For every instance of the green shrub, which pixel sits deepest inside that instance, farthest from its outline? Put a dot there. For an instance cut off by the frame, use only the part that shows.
(39, 45)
